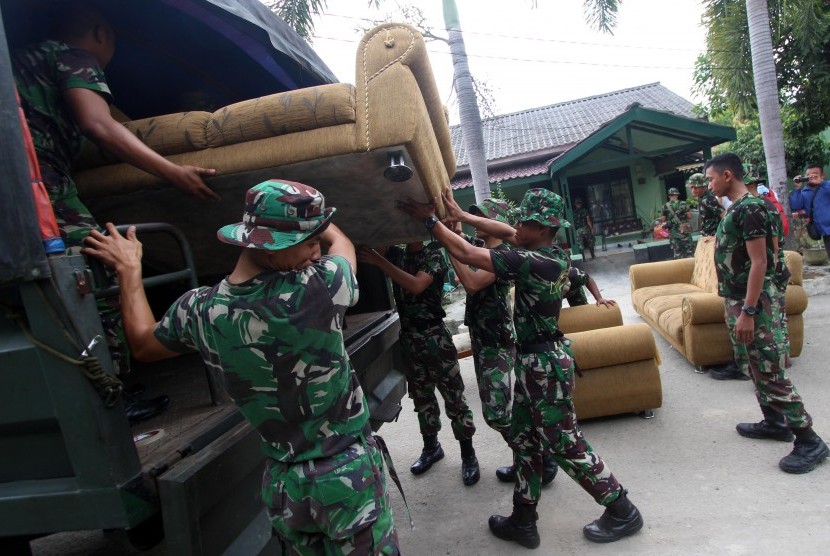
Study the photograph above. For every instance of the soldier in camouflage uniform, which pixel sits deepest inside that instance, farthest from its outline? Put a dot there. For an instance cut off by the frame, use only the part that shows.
(676, 216)
(710, 210)
(273, 328)
(584, 227)
(418, 273)
(543, 416)
(745, 240)
(63, 91)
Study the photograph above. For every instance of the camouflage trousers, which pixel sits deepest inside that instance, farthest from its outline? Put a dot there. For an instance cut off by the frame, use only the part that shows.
(335, 505)
(75, 222)
(681, 244)
(544, 422)
(434, 364)
(585, 238)
(766, 358)
(494, 373)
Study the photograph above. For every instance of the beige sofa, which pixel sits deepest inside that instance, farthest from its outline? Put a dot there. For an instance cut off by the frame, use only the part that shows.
(679, 300)
(335, 137)
(619, 363)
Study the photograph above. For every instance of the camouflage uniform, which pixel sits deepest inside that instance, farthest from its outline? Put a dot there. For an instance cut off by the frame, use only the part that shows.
(427, 344)
(488, 316)
(710, 211)
(584, 236)
(543, 412)
(574, 288)
(277, 339)
(680, 231)
(766, 358)
(43, 72)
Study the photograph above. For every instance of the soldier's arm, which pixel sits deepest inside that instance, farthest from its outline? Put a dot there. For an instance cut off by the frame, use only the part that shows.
(414, 284)
(339, 244)
(124, 255)
(473, 280)
(91, 112)
(494, 228)
(594, 289)
(756, 248)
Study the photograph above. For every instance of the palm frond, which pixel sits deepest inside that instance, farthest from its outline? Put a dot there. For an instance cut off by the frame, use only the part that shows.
(602, 14)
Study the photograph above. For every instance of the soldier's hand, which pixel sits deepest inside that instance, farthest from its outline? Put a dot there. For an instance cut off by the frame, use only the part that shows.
(745, 329)
(606, 302)
(416, 209)
(369, 256)
(189, 180)
(122, 253)
(454, 212)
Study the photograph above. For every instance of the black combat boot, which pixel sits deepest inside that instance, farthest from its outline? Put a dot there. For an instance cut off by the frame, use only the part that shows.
(138, 410)
(549, 471)
(620, 519)
(730, 371)
(431, 453)
(808, 452)
(519, 527)
(470, 472)
(772, 427)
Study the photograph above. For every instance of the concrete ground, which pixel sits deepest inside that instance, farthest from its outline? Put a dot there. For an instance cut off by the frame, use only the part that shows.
(701, 488)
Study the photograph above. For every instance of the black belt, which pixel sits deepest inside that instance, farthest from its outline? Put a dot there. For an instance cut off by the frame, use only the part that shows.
(536, 348)
(421, 324)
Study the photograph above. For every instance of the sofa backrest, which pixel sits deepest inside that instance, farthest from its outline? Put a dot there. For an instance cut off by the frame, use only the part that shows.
(703, 274)
(705, 277)
(589, 317)
(249, 120)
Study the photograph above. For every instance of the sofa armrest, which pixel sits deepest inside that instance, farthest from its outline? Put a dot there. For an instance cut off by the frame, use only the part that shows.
(795, 299)
(617, 345)
(703, 309)
(392, 61)
(589, 317)
(661, 273)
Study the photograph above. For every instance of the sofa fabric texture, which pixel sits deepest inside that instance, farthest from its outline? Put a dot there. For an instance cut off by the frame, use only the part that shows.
(679, 300)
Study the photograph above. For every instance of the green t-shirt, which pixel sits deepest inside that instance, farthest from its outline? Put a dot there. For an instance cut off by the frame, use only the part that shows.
(417, 309)
(539, 276)
(746, 219)
(43, 72)
(278, 341)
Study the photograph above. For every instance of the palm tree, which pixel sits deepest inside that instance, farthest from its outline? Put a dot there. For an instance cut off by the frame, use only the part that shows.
(766, 93)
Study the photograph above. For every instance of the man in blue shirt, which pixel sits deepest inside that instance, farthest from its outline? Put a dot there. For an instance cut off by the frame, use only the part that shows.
(817, 210)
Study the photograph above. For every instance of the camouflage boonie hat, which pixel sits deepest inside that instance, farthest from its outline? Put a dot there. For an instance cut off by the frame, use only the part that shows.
(674, 191)
(277, 215)
(697, 180)
(545, 207)
(750, 175)
(494, 209)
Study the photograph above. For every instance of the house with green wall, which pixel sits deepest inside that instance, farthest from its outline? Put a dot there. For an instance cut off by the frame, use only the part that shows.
(620, 152)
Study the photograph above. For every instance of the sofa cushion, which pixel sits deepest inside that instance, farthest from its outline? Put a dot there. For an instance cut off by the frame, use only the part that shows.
(589, 317)
(671, 322)
(289, 112)
(641, 296)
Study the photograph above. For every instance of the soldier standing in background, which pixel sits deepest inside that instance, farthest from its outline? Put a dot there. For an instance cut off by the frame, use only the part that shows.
(418, 273)
(676, 216)
(274, 329)
(584, 227)
(710, 210)
(745, 262)
(543, 418)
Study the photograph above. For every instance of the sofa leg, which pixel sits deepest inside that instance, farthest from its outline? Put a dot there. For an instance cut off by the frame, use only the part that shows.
(646, 414)
(700, 369)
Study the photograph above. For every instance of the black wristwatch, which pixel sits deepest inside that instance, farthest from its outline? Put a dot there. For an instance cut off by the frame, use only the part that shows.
(430, 222)
(750, 310)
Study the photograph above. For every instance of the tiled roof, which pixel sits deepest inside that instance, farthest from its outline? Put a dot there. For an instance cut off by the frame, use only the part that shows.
(521, 170)
(559, 126)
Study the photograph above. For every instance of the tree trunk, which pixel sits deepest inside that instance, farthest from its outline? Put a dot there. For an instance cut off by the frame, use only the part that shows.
(766, 92)
(469, 114)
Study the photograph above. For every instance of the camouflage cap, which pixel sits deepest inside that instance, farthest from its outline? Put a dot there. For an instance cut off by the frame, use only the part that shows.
(545, 207)
(277, 215)
(697, 180)
(674, 191)
(494, 209)
(750, 175)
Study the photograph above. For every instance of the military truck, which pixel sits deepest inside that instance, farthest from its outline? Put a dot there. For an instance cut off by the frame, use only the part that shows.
(69, 459)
